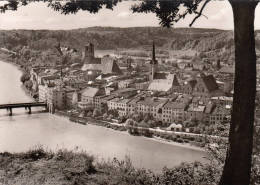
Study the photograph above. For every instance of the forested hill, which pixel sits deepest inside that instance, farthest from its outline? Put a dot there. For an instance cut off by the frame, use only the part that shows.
(112, 38)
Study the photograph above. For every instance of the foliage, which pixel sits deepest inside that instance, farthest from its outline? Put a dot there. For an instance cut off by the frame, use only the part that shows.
(28, 84)
(90, 113)
(130, 122)
(35, 153)
(25, 77)
(123, 172)
(122, 119)
(113, 113)
(188, 174)
(96, 112)
(105, 115)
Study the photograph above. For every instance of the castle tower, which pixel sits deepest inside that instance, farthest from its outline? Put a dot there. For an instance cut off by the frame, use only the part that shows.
(153, 64)
(88, 53)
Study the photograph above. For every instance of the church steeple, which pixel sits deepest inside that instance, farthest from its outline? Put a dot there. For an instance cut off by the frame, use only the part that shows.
(154, 61)
(153, 52)
(153, 64)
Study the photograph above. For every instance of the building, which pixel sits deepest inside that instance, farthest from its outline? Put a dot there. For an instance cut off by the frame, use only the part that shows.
(126, 93)
(223, 100)
(56, 98)
(125, 83)
(160, 81)
(195, 112)
(119, 104)
(219, 114)
(164, 82)
(173, 111)
(187, 87)
(88, 97)
(105, 65)
(206, 86)
(142, 85)
(152, 106)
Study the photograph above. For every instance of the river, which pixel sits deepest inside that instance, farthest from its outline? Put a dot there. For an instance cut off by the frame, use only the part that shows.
(22, 131)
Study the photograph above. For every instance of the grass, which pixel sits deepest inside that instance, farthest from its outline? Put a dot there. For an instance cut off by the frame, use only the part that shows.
(74, 167)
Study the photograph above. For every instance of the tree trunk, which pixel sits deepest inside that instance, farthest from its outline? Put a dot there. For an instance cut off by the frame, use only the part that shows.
(237, 166)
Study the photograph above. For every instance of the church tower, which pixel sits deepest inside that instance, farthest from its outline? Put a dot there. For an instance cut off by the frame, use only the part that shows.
(88, 53)
(153, 65)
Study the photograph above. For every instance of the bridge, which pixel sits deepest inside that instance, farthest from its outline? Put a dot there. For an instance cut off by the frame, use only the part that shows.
(28, 106)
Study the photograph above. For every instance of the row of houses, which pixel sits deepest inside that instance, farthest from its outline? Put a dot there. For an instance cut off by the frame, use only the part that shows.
(178, 108)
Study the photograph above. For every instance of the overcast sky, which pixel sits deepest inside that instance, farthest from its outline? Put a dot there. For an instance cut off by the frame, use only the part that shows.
(38, 16)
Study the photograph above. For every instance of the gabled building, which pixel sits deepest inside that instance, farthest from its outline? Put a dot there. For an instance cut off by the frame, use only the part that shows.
(206, 86)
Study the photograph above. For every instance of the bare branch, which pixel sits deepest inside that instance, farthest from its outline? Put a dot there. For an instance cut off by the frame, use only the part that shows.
(200, 12)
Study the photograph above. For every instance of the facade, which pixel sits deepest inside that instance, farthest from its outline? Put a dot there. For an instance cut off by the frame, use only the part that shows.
(44, 90)
(125, 83)
(56, 98)
(88, 97)
(119, 104)
(219, 115)
(173, 112)
(195, 112)
(142, 85)
(152, 106)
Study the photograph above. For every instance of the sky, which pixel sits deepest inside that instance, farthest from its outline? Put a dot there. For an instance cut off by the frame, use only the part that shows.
(39, 16)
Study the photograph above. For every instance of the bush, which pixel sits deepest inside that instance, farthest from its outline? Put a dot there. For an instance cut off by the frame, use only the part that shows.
(28, 84)
(35, 153)
(89, 114)
(25, 77)
(96, 113)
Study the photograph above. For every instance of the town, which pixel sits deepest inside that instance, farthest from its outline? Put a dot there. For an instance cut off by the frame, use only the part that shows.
(191, 96)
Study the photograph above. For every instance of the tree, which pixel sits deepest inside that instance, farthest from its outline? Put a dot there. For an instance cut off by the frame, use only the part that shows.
(28, 84)
(25, 77)
(237, 166)
(89, 114)
(129, 122)
(105, 115)
(96, 113)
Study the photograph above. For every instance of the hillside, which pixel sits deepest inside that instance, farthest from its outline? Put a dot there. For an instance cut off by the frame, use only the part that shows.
(112, 38)
(209, 44)
(64, 167)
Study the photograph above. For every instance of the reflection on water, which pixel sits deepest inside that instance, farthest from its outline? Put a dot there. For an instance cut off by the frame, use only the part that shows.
(23, 131)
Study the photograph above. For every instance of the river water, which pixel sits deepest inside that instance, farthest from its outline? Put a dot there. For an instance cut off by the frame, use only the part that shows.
(22, 131)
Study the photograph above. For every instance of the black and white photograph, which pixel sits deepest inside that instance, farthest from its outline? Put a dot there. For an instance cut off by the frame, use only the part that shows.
(129, 92)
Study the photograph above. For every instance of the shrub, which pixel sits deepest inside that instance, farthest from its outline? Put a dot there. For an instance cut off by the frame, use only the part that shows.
(35, 153)
(25, 77)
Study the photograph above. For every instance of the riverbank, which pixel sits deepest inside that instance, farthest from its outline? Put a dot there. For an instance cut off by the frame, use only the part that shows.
(38, 166)
(121, 129)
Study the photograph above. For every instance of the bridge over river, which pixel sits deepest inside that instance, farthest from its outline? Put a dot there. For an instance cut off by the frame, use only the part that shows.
(27, 106)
